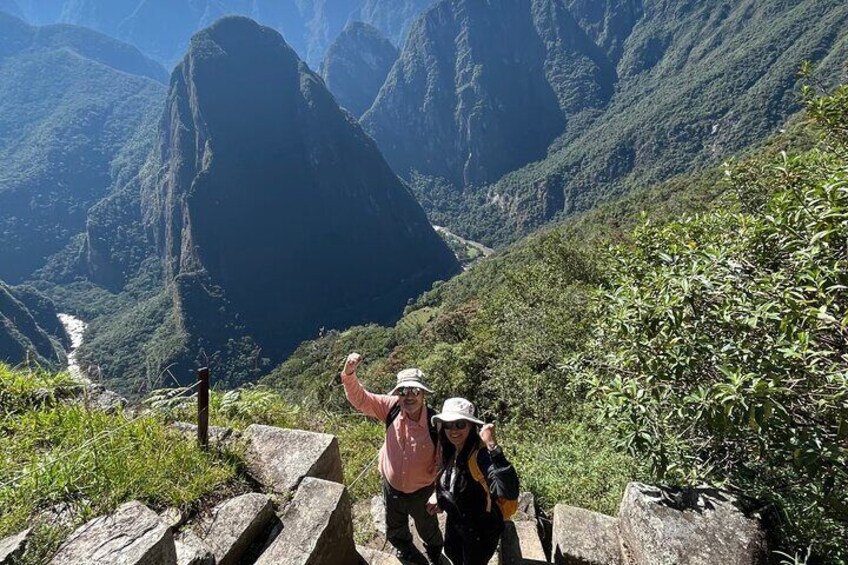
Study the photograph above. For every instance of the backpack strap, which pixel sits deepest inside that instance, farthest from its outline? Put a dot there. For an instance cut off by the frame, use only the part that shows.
(477, 475)
(394, 411)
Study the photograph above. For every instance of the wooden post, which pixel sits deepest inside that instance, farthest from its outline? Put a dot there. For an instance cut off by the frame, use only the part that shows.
(203, 407)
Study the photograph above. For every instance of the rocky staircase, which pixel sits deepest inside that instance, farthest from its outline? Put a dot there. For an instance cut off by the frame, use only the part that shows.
(302, 516)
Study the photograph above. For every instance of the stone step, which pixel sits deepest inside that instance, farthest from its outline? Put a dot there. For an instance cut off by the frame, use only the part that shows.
(132, 535)
(316, 528)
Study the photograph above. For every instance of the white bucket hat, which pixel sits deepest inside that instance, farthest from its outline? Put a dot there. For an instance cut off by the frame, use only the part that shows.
(410, 378)
(456, 409)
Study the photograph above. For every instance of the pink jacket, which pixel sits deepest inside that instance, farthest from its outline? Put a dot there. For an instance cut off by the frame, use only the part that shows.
(408, 456)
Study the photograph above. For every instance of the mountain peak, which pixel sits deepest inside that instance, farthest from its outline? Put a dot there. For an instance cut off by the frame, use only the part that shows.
(274, 205)
(356, 65)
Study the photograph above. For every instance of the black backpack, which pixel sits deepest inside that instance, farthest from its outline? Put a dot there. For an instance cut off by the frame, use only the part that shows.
(434, 433)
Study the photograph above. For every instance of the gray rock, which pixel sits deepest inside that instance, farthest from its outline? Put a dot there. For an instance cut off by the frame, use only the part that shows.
(12, 547)
(237, 524)
(191, 550)
(375, 557)
(132, 535)
(582, 537)
(663, 526)
(217, 434)
(279, 459)
(173, 517)
(521, 544)
(378, 513)
(526, 507)
(317, 528)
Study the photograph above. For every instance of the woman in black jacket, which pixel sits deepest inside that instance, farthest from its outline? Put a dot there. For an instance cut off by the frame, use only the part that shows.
(474, 517)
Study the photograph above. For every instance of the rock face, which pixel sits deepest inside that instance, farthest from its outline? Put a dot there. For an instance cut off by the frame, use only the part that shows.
(237, 524)
(356, 65)
(133, 535)
(317, 528)
(581, 537)
(12, 547)
(482, 88)
(273, 206)
(698, 526)
(280, 459)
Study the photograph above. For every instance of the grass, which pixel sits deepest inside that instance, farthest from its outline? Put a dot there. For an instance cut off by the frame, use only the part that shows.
(570, 462)
(86, 462)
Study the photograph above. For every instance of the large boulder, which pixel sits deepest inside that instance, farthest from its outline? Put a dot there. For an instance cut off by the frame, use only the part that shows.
(279, 459)
(132, 535)
(694, 526)
(317, 528)
(12, 547)
(582, 537)
(520, 541)
(237, 525)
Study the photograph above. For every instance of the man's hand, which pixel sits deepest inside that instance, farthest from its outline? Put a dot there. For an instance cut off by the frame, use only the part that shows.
(487, 434)
(432, 505)
(351, 363)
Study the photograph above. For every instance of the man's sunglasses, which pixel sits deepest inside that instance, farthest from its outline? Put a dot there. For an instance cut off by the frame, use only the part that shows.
(459, 425)
(413, 390)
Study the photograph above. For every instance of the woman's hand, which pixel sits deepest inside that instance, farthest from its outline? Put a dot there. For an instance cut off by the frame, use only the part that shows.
(433, 505)
(351, 363)
(487, 434)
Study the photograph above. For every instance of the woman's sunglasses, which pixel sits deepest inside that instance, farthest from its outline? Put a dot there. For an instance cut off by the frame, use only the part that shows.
(459, 425)
(413, 390)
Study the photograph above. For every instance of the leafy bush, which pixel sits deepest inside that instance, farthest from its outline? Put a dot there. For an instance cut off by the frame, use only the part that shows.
(720, 348)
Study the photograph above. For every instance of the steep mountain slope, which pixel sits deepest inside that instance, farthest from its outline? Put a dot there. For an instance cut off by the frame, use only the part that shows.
(392, 17)
(483, 87)
(356, 65)
(70, 100)
(29, 329)
(282, 217)
(699, 82)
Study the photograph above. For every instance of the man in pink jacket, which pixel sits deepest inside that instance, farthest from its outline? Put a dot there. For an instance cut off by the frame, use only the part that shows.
(407, 459)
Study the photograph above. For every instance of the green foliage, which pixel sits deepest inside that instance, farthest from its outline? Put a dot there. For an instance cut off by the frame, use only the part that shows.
(720, 352)
(572, 462)
(64, 458)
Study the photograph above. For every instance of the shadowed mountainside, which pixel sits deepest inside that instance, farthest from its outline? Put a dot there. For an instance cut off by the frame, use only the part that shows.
(281, 218)
(356, 65)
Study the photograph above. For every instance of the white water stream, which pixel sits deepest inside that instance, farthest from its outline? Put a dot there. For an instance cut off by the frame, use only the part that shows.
(75, 329)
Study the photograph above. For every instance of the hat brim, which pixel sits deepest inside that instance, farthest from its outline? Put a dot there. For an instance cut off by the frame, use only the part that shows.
(410, 384)
(453, 417)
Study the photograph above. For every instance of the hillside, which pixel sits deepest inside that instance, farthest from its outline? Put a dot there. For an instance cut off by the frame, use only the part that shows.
(356, 65)
(694, 84)
(30, 332)
(71, 103)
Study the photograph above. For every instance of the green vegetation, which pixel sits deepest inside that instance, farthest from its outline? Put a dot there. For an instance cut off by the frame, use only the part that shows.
(63, 464)
(721, 356)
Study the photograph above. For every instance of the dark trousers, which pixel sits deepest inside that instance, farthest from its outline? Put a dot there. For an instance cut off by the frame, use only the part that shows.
(399, 507)
(467, 546)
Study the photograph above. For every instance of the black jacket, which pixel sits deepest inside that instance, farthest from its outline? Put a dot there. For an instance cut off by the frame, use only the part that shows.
(466, 503)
